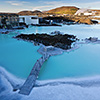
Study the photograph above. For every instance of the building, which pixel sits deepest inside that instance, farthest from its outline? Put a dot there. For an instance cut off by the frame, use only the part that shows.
(85, 12)
(9, 19)
(0, 21)
(29, 19)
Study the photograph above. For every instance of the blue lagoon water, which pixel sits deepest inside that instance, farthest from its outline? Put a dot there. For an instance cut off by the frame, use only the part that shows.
(18, 57)
(82, 62)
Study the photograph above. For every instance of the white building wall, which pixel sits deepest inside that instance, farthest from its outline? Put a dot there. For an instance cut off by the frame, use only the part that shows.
(29, 20)
(35, 21)
(20, 19)
(87, 14)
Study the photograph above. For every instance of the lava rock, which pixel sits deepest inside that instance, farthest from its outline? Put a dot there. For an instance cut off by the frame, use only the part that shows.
(61, 41)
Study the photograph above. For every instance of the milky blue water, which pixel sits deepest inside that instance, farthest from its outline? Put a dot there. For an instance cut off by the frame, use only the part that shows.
(18, 57)
(82, 62)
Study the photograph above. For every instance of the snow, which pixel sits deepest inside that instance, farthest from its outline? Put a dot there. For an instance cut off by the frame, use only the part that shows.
(61, 89)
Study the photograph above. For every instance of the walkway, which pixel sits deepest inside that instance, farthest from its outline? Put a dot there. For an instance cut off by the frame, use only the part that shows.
(30, 81)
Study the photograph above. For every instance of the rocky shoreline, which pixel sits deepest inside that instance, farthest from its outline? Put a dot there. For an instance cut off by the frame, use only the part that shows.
(60, 41)
(46, 25)
(74, 20)
(7, 30)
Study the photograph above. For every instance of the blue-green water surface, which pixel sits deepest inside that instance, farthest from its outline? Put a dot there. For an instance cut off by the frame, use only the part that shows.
(18, 57)
(82, 62)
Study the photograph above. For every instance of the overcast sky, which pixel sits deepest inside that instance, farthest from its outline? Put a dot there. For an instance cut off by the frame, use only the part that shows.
(43, 5)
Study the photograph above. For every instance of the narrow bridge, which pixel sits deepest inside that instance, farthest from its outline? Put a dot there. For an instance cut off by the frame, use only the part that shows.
(30, 81)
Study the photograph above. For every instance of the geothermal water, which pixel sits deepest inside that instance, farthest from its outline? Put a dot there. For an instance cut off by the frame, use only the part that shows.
(73, 75)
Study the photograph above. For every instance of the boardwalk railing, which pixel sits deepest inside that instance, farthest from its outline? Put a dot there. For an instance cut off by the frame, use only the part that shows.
(30, 81)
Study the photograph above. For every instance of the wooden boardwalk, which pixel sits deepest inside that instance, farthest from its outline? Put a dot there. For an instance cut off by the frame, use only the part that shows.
(30, 81)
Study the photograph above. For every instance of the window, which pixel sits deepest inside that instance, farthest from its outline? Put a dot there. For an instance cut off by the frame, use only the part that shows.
(33, 17)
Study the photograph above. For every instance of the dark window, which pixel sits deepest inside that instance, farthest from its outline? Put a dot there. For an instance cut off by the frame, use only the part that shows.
(33, 17)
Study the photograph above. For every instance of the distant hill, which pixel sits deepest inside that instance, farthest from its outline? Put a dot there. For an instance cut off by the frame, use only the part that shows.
(63, 10)
(60, 10)
(36, 12)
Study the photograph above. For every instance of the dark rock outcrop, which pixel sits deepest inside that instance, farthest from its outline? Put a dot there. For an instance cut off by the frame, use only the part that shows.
(61, 41)
(36, 12)
(45, 24)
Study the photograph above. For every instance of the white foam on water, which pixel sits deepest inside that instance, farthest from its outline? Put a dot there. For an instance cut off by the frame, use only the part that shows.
(87, 88)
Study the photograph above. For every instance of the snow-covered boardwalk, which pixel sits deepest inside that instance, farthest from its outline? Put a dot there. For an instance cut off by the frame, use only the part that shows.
(30, 81)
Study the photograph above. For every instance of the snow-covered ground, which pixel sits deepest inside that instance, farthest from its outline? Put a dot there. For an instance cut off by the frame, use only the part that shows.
(60, 89)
